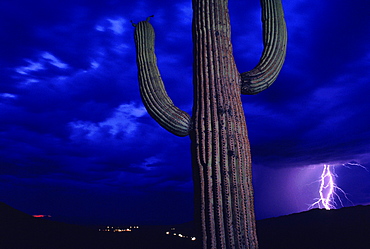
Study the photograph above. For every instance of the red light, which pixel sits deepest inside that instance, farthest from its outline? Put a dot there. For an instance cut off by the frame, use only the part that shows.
(41, 215)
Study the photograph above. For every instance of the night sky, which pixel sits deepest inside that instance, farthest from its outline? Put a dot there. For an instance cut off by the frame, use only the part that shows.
(77, 143)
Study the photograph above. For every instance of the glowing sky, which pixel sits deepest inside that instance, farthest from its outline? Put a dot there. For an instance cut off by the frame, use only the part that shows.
(77, 143)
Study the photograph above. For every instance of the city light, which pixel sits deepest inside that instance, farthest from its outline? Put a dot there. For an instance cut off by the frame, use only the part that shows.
(118, 229)
(173, 232)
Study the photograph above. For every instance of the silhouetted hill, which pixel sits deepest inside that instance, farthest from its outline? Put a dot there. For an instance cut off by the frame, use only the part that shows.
(19, 230)
(22, 231)
(345, 228)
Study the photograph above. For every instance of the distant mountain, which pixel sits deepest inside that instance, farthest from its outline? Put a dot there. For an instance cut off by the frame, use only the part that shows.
(345, 228)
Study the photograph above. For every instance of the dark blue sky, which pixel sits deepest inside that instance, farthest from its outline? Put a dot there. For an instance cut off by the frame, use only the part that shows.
(77, 143)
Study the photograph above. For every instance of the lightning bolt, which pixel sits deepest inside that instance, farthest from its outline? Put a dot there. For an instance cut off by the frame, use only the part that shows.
(328, 190)
(351, 164)
(329, 193)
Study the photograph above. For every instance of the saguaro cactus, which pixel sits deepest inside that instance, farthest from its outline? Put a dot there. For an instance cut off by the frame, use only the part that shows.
(220, 147)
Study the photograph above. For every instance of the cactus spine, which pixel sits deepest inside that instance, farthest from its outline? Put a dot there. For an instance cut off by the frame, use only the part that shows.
(220, 147)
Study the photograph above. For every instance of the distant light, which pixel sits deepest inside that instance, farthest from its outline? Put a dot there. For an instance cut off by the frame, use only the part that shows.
(193, 238)
(41, 215)
(118, 229)
(167, 232)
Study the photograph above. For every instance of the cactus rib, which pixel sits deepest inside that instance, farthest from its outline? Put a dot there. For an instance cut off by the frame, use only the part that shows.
(273, 56)
(153, 93)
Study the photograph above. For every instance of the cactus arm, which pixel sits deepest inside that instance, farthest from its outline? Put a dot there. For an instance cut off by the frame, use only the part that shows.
(152, 90)
(273, 56)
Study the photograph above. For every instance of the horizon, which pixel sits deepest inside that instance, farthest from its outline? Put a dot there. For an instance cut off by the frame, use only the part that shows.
(190, 222)
(77, 143)
(313, 229)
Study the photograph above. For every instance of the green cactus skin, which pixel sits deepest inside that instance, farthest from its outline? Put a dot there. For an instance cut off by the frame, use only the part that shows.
(273, 56)
(154, 96)
(222, 173)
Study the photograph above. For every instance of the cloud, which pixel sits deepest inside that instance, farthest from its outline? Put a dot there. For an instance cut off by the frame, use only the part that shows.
(7, 95)
(33, 66)
(53, 60)
(117, 25)
(185, 12)
(123, 121)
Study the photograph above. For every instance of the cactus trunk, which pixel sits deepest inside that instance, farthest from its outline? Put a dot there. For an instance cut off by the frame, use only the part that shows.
(221, 164)
(220, 147)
